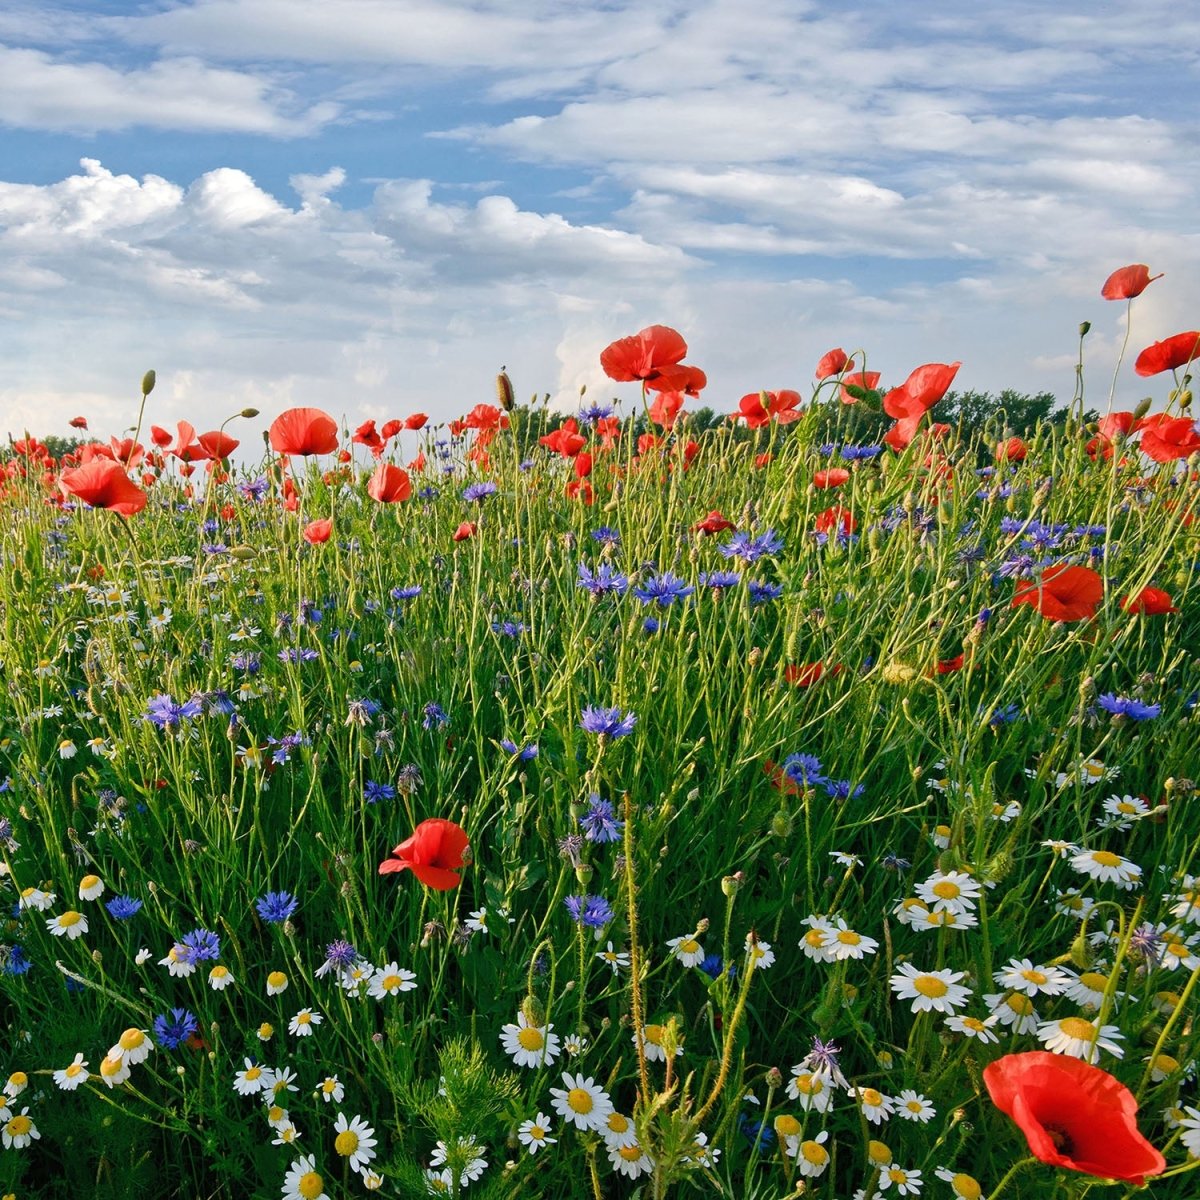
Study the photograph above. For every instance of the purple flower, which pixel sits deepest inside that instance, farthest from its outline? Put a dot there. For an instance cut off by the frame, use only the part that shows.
(161, 710)
(172, 1031)
(1122, 706)
(599, 823)
(591, 911)
(751, 549)
(479, 492)
(203, 945)
(603, 580)
(607, 722)
(435, 717)
(663, 590)
(276, 907)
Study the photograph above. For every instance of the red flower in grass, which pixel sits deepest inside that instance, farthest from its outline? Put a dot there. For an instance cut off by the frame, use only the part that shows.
(713, 523)
(757, 408)
(1166, 356)
(304, 431)
(565, 440)
(1165, 439)
(466, 530)
(1127, 282)
(217, 445)
(1013, 450)
(809, 673)
(947, 666)
(367, 435)
(1115, 423)
(836, 518)
(666, 407)
(1073, 1115)
(415, 421)
(833, 362)
(160, 437)
(78, 422)
(581, 490)
(1150, 600)
(436, 850)
(390, 429)
(103, 483)
(316, 532)
(389, 484)
(645, 355)
(832, 478)
(921, 390)
(1065, 593)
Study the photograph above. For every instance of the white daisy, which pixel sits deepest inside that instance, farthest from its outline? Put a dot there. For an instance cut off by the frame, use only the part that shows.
(630, 1161)
(219, 978)
(391, 980)
(304, 1022)
(178, 961)
(581, 1102)
(760, 953)
(1107, 867)
(912, 1106)
(466, 1151)
(1088, 989)
(876, 1107)
(653, 1037)
(1080, 1038)
(964, 1187)
(1187, 902)
(331, 1089)
(1189, 1122)
(91, 887)
(817, 943)
(1061, 849)
(72, 924)
(133, 1047)
(940, 836)
(849, 943)
(616, 959)
(19, 1130)
(618, 1130)
(535, 1133)
(973, 1027)
(302, 1182)
(529, 1045)
(1013, 1009)
(930, 991)
(952, 891)
(811, 1088)
(277, 982)
(355, 1140)
(687, 950)
(811, 1156)
(1179, 951)
(1005, 813)
(1022, 976)
(70, 1077)
(906, 1183)
(251, 1080)
(114, 1070)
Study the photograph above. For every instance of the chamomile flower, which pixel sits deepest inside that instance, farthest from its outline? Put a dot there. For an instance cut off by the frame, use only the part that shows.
(278, 1116)
(304, 1022)
(687, 950)
(251, 1080)
(529, 1045)
(16, 1083)
(19, 1130)
(653, 1041)
(1123, 811)
(1080, 1038)
(930, 991)
(114, 1070)
(391, 980)
(1073, 903)
(1162, 1066)
(1178, 950)
(1107, 867)
(1022, 976)
(303, 1181)
(812, 1089)
(355, 1140)
(331, 1089)
(279, 1081)
(32, 897)
(952, 891)
(266, 1031)
(817, 943)
(876, 1107)
(616, 959)
(973, 1027)
(277, 982)
(535, 1133)
(1189, 1122)
(219, 978)
(879, 1154)
(1088, 989)
(912, 1106)
(1004, 813)
(70, 1077)
(287, 1133)
(906, 1183)
(702, 1153)
(618, 1130)
(91, 887)
(811, 1156)
(1060, 848)
(1013, 1009)
(630, 1161)
(69, 924)
(133, 1047)
(581, 1102)
(574, 1045)
(964, 1187)
(179, 961)
(940, 837)
(849, 943)
(760, 953)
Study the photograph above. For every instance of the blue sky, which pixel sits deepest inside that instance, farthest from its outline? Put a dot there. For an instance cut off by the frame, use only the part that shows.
(373, 205)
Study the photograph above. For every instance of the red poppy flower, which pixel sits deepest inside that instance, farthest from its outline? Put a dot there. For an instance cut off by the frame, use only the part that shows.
(217, 445)
(644, 355)
(757, 408)
(947, 666)
(1165, 439)
(832, 478)
(304, 431)
(486, 418)
(390, 429)
(78, 422)
(866, 381)
(834, 518)
(713, 523)
(565, 440)
(465, 530)
(159, 436)
(809, 673)
(103, 483)
(418, 463)
(921, 390)
(1115, 423)
(1065, 593)
(126, 451)
(1013, 450)
(689, 380)
(316, 532)
(434, 853)
(762, 461)
(583, 465)
(649, 441)
(1073, 1115)
(581, 490)
(367, 435)
(608, 429)
(389, 484)
(833, 362)
(1127, 282)
(415, 421)
(666, 408)
(1150, 600)
(1166, 356)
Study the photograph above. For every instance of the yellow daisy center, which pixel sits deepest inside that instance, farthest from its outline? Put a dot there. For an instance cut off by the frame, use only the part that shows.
(946, 889)
(131, 1039)
(1106, 858)
(110, 1067)
(967, 1187)
(630, 1153)
(815, 938)
(1034, 976)
(879, 1153)
(580, 1100)
(346, 1143)
(276, 979)
(898, 1176)
(787, 1125)
(1094, 981)
(88, 882)
(871, 1097)
(689, 946)
(531, 1039)
(618, 1123)
(252, 1073)
(930, 985)
(848, 937)
(19, 1125)
(310, 1185)
(390, 982)
(76, 1068)
(654, 1034)
(18, 1079)
(1077, 1027)
(814, 1153)
(1022, 1005)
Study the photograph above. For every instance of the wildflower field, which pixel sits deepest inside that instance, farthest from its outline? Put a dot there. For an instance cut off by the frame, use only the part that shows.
(748, 814)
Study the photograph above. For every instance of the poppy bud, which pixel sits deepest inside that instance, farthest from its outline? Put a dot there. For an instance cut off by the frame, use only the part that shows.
(1084, 328)
(248, 413)
(504, 392)
(243, 553)
(583, 872)
(1142, 409)
(774, 1078)
(533, 1010)
(1081, 951)
(781, 824)
(730, 885)
(1185, 400)
(148, 383)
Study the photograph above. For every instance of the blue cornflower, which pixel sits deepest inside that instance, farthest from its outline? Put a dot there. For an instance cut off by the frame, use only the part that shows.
(284, 747)
(340, 954)
(607, 722)
(719, 580)
(405, 593)
(526, 464)
(161, 710)
(14, 960)
(606, 536)
(851, 453)
(479, 492)
(212, 525)
(1122, 706)
(276, 907)
(803, 769)
(843, 789)
(245, 661)
(173, 1031)
(663, 589)
(893, 862)
(762, 592)
(755, 1129)
(254, 489)
(592, 911)
(711, 965)
(650, 625)
(751, 549)
(1005, 715)
(428, 492)
(599, 823)
(595, 412)
(512, 629)
(373, 792)
(214, 548)
(524, 753)
(603, 580)
(294, 654)
(121, 908)
(203, 944)
(435, 717)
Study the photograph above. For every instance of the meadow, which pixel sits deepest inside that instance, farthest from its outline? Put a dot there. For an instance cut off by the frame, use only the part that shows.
(751, 816)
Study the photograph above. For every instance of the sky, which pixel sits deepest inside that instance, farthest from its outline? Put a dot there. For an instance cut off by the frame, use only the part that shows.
(371, 206)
